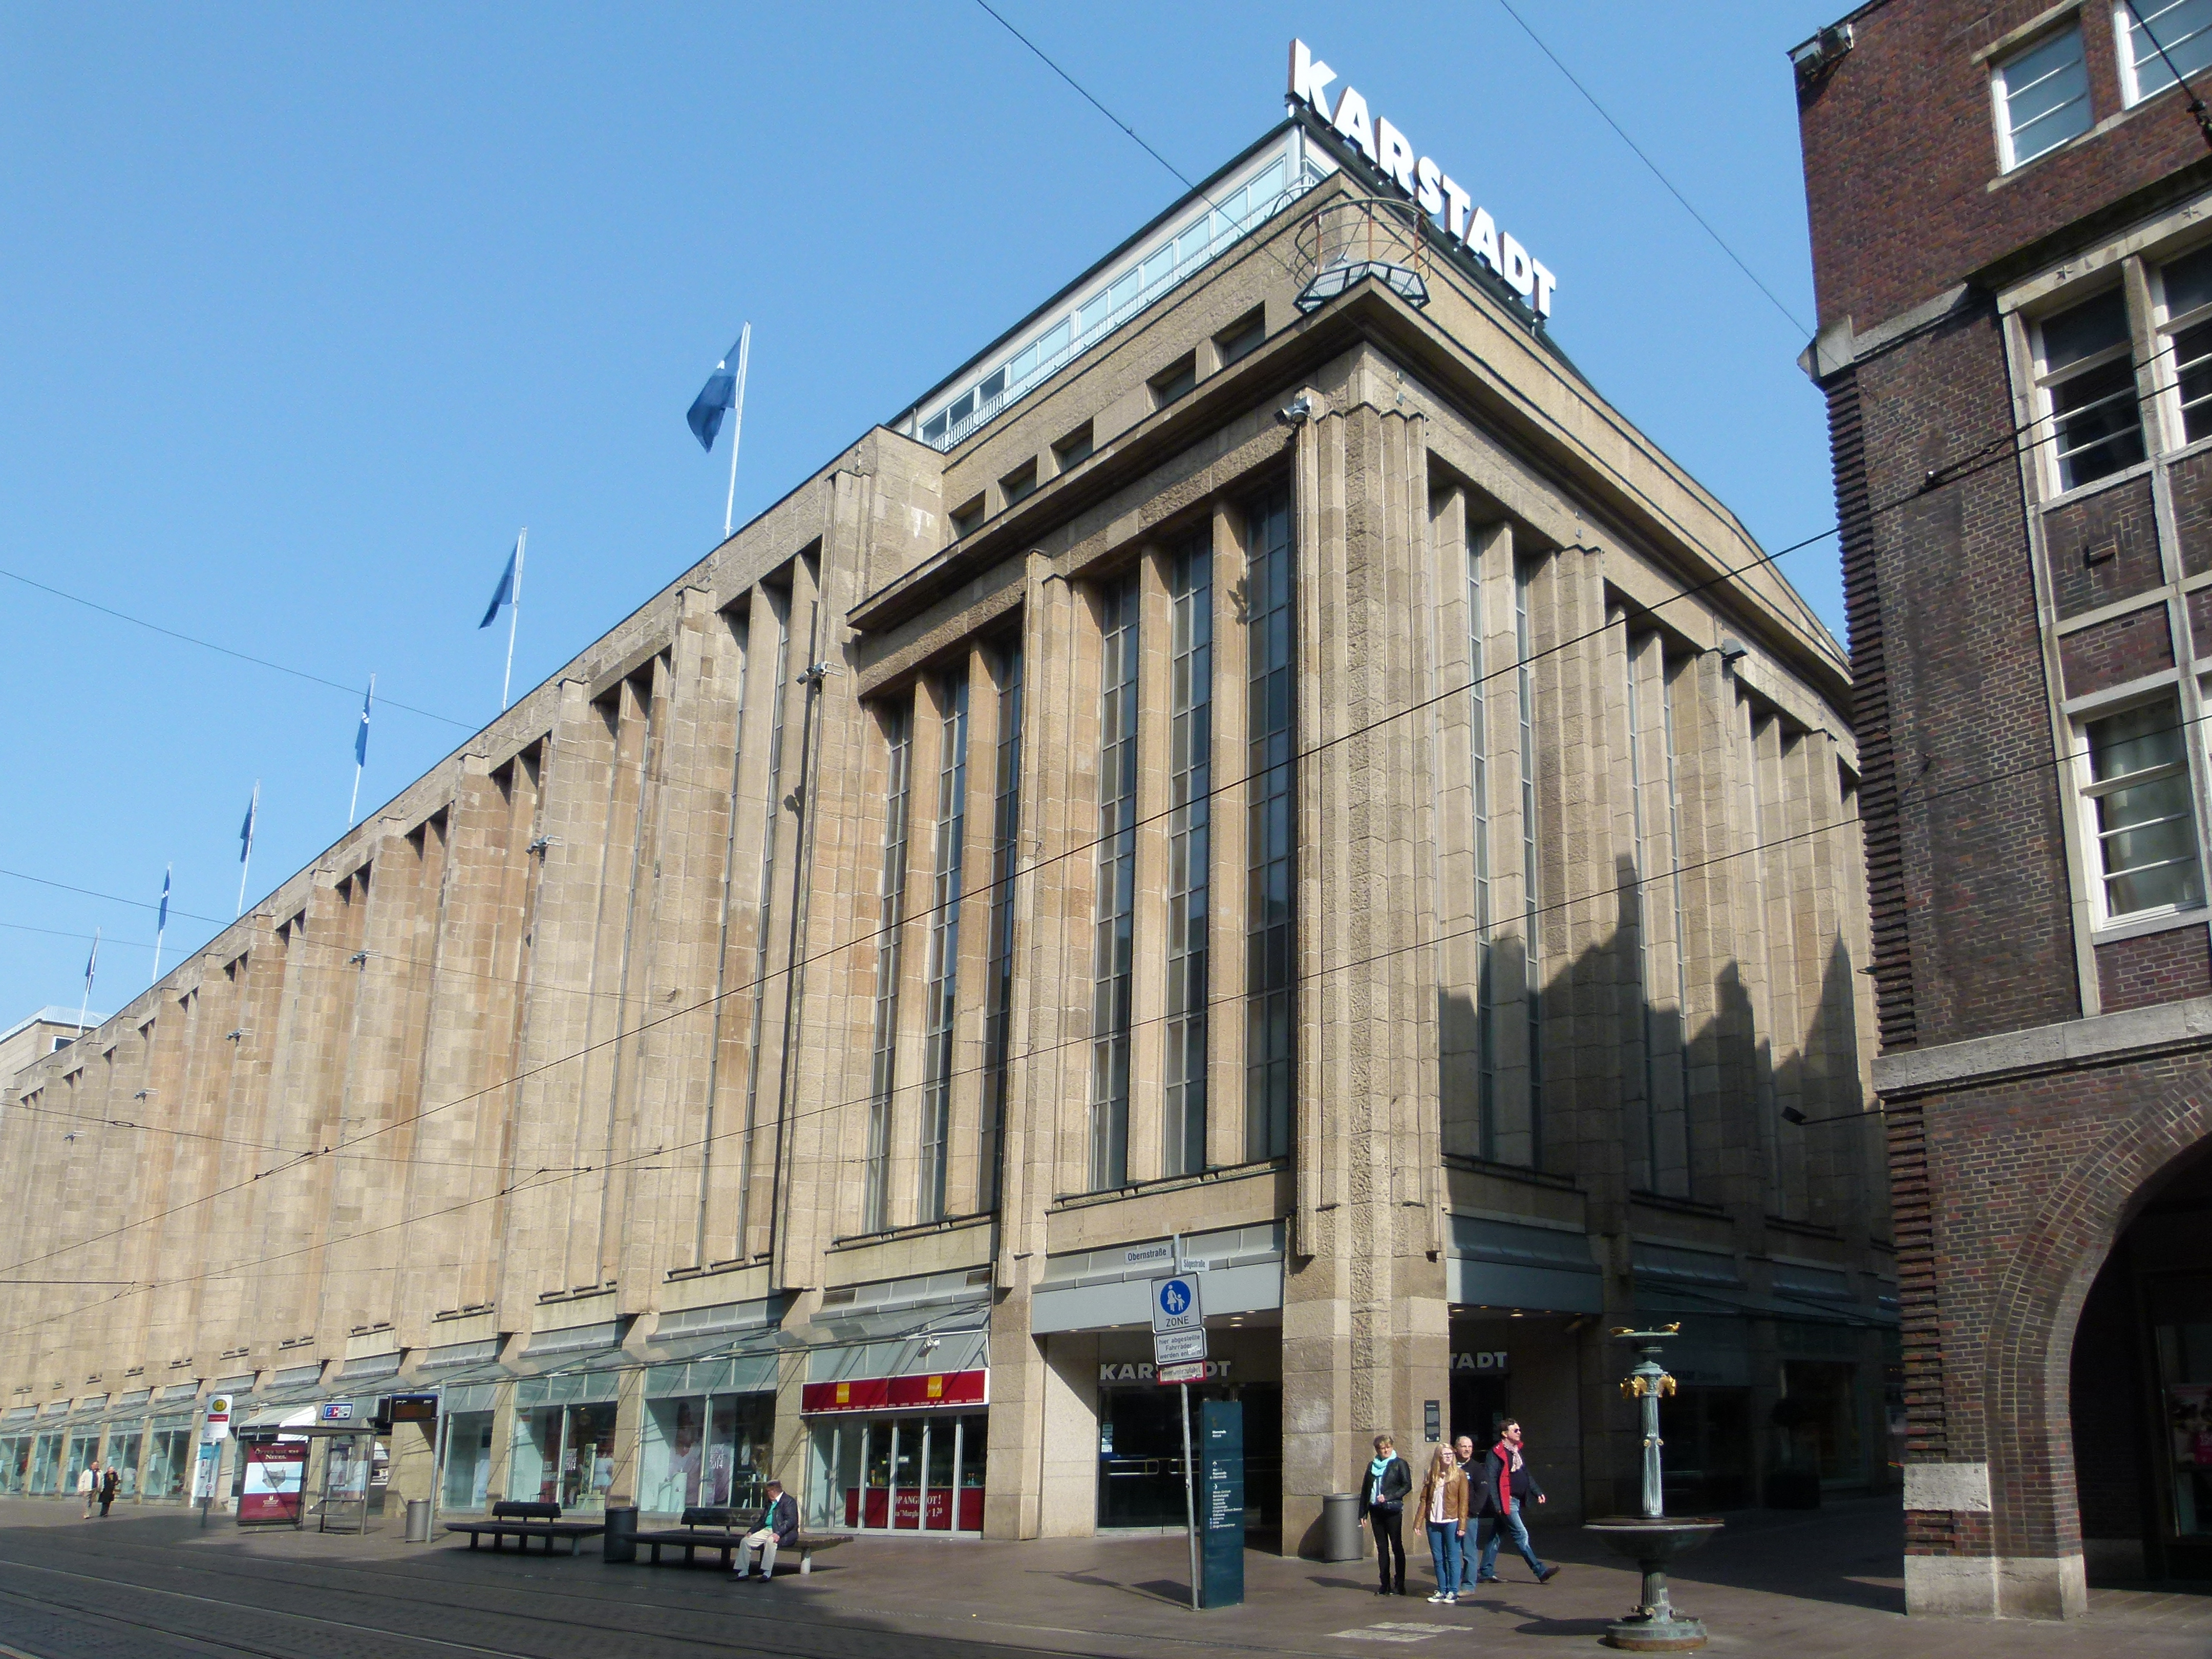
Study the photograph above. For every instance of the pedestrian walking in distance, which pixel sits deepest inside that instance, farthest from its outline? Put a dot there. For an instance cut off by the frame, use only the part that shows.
(88, 1485)
(1507, 1481)
(1444, 1505)
(1382, 1495)
(110, 1484)
(778, 1527)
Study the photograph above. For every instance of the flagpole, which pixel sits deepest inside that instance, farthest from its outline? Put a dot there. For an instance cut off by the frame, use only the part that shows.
(93, 962)
(514, 616)
(361, 754)
(162, 926)
(737, 425)
(245, 857)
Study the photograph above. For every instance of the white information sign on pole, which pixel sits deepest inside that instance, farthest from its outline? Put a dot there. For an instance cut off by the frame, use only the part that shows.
(1178, 1347)
(1175, 1305)
(217, 1426)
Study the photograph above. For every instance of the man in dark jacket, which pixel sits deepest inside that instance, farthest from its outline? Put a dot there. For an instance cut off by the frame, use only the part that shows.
(1507, 1480)
(778, 1527)
(1383, 1496)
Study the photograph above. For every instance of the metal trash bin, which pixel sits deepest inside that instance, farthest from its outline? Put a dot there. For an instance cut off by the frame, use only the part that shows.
(618, 1544)
(1339, 1527)
(418, 1520)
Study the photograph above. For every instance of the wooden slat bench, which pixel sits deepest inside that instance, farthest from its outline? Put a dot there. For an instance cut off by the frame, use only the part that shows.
(524, 1522)
(721, 1531)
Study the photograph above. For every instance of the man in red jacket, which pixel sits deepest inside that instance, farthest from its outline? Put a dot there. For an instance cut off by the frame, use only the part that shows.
(1507, 1480)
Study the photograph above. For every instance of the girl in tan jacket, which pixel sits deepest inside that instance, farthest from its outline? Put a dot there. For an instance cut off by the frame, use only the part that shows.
(1442, 1509)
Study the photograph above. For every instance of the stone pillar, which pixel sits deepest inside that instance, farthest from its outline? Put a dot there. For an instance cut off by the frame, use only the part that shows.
(1364, 1317)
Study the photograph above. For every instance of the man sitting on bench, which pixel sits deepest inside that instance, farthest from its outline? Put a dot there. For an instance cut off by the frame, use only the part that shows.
(779, 1526)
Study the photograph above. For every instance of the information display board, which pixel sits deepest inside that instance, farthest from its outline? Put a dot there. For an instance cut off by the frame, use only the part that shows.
(1221, 1503)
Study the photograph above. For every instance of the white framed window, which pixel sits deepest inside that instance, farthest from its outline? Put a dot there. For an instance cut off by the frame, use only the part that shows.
(2142, 817)
(2185, 329)
(2085, 377)
(2042, 96)
(2182, 27)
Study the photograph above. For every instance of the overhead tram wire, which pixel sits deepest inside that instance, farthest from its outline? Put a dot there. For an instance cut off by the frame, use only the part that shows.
(1078, 850)
(1621, 132)
(2016, 432)
(531, 1181)
(304, 941)
(224, 650)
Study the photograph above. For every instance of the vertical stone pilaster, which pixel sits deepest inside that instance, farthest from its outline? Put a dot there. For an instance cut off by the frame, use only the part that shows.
(1364, 1319)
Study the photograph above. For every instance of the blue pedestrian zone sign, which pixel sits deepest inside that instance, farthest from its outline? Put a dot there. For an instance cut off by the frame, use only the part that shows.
(1176, 1303)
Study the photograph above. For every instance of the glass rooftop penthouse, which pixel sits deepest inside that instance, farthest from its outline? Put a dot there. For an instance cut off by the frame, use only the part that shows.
(1196, 230)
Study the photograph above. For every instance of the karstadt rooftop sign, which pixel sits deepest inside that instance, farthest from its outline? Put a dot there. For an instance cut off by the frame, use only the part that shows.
(1439, 195)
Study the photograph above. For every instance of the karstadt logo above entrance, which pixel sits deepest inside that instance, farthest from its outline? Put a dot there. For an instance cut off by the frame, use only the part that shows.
(1439, 195)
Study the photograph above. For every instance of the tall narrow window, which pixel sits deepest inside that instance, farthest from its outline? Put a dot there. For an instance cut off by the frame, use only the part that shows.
(1112, 962)
(943, 978)
(2087, 373)
(2186, 287)
(2143, 823)
(998, 975)
(780, 606)
(1271, 833)
(898, 734)
(1190, 771)
(2042, 97)
(1478, 733)
(1671, 753)
(2153, 31)
(1531, 1150)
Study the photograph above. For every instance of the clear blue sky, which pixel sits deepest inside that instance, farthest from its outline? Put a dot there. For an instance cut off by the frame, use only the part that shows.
(308, 309)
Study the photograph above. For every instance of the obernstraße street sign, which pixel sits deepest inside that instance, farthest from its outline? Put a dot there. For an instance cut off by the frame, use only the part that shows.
(1178, 1347)
(1175, 1304)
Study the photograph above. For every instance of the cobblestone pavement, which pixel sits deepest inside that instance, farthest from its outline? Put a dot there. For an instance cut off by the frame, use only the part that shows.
(149, 1584)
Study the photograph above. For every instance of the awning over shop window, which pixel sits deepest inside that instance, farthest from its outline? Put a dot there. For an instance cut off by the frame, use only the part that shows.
(1495, 1263)
(1098, 1290)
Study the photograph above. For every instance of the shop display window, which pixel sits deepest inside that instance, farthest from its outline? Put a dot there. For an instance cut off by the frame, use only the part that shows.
(123, 1455)
(15, 1465)
(899, 1474)
(82, 1449)
(1818, 1419)
(46, 1465)
(169, 1462)
(564, 1454)
(710, 1449)
(467, 1478)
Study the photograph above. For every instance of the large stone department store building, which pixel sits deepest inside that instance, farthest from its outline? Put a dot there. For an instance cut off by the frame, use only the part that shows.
(1262, 767)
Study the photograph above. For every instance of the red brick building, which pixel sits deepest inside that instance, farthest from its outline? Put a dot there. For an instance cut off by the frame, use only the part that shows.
(2011, 210)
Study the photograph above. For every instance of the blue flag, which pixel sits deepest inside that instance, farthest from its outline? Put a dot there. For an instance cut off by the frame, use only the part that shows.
(92, 961)
(360, 737)
(162, 920)
(716, 398)
(245, 829)
(501, 596)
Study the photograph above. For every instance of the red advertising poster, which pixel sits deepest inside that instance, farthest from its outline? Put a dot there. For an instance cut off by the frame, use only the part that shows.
(875, 1394)
(275, 1472)
(932, 1509)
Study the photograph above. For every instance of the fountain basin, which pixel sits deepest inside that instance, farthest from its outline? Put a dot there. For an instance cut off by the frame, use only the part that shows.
(1652, 1541)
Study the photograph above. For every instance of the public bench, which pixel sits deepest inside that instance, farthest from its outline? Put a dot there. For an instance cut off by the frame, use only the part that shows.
(721, 1530)
(524, 1522)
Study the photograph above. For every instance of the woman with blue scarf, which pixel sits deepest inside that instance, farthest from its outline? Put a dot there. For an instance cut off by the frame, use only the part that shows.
(1382, 1495)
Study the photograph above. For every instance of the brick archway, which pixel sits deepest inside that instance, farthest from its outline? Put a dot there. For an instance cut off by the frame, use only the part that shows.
(2037, 1302)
